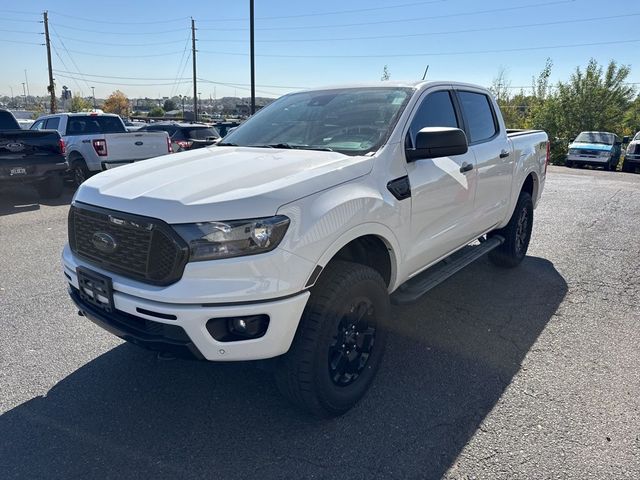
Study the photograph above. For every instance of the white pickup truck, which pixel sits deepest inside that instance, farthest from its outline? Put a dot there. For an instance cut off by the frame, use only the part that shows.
(289, 240)
(97, 141)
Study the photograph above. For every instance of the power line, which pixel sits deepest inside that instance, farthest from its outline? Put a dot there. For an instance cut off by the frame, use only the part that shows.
(111, 32)
(404, 20)
(20, 20)
(181, 81)
(65, 66)
(318, 14)
(120, 44)
(21, 32)
(181, 66)
(20, 12)
(428, 34)
(137, 55)
(112, 22)
(20, 42)
(70, 57)
(434, 54)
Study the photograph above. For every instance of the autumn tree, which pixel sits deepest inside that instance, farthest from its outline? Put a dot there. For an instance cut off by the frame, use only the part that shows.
(117, 103)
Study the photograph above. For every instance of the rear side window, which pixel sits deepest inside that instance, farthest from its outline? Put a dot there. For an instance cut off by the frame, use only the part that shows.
(435, 111)
(52, 123)
(481, 123)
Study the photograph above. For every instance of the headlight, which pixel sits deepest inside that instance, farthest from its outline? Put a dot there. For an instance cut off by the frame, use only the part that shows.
(213, 240)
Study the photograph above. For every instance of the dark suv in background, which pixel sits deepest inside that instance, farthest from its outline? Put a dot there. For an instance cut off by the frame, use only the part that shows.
(186, 136)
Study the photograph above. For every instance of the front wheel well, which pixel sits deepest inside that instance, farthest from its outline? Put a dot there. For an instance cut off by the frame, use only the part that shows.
(369, 250)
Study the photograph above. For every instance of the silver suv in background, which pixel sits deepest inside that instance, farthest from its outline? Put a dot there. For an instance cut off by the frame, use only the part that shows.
(632, 156)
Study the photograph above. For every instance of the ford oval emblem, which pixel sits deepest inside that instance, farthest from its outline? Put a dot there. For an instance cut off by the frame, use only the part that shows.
(15, 146)
(104, 242)
(139, 143)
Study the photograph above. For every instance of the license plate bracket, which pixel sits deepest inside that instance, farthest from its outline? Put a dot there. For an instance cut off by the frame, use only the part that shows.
(18, 171)
(95, 289)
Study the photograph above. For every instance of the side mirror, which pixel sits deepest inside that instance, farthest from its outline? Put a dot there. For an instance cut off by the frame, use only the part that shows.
(625, 139)
(433, 142)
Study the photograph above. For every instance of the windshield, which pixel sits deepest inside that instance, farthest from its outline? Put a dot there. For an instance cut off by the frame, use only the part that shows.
(352, 121)
(637, 137)
(595, 137)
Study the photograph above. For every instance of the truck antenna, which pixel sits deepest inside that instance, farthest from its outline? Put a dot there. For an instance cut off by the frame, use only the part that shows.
(425, 72)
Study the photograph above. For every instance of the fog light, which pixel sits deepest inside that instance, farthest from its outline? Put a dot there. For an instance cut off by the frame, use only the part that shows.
(233, 329)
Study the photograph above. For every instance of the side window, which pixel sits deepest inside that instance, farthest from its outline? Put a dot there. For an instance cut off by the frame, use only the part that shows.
(39, 125)
(481, 123)
(435, 111)
(52, 123)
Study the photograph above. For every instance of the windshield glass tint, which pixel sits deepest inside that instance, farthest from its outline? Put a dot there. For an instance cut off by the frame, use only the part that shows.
(351, 121)
(595, 137)
(201, 133)
(78, 125)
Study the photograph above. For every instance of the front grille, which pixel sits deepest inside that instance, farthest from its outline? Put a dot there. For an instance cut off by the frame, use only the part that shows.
(144, 248)
(591, 153)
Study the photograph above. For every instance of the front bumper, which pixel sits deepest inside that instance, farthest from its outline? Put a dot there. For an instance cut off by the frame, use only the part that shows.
(632, 159)
(139, 320)
(590, 160)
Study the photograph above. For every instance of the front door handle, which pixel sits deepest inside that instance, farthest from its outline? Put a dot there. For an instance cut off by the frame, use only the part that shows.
(504, 154)
(466, 167)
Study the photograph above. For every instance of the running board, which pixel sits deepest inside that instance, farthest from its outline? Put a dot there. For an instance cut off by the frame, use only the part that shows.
(416, 287)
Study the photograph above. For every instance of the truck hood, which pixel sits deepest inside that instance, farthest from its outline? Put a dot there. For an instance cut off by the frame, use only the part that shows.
(591, 146)
(219, 183)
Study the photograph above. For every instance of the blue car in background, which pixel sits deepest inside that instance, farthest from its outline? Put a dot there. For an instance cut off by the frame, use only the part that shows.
(601, 149)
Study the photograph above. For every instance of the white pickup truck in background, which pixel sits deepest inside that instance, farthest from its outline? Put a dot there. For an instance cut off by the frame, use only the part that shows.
(97, 141)
(289, 240)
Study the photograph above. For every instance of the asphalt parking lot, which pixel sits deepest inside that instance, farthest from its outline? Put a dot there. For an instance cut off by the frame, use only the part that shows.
(527, 373)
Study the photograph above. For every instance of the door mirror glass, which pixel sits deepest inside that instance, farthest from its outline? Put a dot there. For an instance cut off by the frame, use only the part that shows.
(433, 142)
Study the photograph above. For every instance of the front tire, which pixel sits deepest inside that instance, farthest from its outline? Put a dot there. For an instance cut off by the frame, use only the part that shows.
(50, 187)
(339, 343)
(517, 235)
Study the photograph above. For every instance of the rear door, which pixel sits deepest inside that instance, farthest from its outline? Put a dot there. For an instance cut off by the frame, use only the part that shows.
(494, 159)
(442, 195)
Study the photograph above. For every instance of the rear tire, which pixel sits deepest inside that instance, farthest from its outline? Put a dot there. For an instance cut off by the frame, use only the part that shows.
(569, 164)
(79, 171)
(50, 187)
(517, 235)
(339, 343)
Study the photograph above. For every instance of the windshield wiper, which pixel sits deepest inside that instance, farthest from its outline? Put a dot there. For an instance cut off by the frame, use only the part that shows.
(292, 146)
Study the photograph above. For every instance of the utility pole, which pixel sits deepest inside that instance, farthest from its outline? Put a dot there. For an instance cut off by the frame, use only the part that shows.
(24, 93)
(253, 60)
(193, 55)
(51, 87)
(93, 95)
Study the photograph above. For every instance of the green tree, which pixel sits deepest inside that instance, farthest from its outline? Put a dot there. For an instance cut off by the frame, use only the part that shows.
(169, 105)
(80, 104)
(156, 112)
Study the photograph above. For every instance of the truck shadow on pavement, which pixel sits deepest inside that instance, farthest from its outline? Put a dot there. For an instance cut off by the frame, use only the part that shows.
(25, 198)
(126, 414)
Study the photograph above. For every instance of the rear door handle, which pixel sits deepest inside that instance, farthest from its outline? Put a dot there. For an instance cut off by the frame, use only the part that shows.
(504, 154)
(466, 167)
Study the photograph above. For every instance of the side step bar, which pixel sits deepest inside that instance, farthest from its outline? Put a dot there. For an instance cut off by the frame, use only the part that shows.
(416, 287)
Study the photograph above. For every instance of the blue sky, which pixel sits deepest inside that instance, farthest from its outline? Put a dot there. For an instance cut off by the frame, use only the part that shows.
(304, 44)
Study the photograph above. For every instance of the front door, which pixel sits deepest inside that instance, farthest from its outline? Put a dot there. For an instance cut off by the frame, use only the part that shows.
(442, 192)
